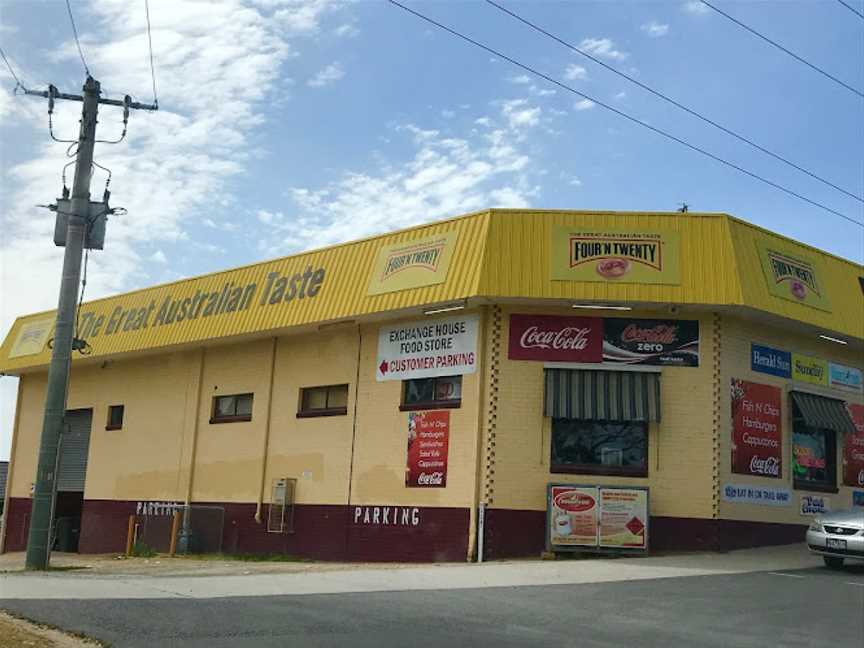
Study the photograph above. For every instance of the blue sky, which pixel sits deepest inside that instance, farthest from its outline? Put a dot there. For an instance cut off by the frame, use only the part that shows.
(290, 124)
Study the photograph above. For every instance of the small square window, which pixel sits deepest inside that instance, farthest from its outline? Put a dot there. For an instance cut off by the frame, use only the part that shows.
(231, 409)
(115, 417)
(431, 393)
(329, 400)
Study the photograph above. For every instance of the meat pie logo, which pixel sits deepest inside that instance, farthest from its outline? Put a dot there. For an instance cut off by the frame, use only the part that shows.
(798, 275)
(614, 256)
(427, 257)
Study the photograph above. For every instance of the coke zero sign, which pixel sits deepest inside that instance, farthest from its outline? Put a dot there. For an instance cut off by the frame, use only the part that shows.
(555, 338)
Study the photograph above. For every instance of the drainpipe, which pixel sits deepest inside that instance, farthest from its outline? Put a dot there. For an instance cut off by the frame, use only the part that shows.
(4, 519)
(194, 449)
(266, 449)
(475, 545)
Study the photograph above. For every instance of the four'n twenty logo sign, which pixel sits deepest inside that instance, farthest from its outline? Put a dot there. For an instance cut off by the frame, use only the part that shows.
(791, 276)
(272, 289)
(618, 256)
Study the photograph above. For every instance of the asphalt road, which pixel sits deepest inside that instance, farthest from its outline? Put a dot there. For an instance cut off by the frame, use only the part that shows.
(813, 607)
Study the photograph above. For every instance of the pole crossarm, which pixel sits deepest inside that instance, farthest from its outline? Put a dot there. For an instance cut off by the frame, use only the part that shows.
(47, 94)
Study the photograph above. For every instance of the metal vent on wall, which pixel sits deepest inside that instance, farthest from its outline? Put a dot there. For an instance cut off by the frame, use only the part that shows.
(280, 518)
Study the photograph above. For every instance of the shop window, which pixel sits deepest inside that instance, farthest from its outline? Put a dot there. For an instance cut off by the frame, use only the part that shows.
(599, 447)
(330, 400)
(431, 393)
(115, 417)
(231, 409)
(814, 456)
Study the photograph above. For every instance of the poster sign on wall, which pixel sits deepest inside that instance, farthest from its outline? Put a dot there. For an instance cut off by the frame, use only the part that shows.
(809, 370)
(604, 517)
(429, 348)
(770, 361)
(756, 429)
(760, 495)
(573, 515)
(845, 378)
(412, 264)
(32, 337)
(853, 448)
(615, 256)
(428, 442)
(624, 518)
(554, 338)
(791, 276)
(815, 504)
(651, 342)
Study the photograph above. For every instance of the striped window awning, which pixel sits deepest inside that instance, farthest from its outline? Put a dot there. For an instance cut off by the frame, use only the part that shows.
(598, 395)
(823, 413)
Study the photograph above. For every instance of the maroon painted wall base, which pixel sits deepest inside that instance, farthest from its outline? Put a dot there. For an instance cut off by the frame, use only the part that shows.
(321, 532)
(514, 533)
(398, 534)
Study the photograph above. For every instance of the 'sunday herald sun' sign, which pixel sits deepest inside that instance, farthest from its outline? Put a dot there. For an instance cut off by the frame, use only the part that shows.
(429, 348)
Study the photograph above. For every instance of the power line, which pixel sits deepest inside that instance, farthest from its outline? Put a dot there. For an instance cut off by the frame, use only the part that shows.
(77, 42)
(675, 103)
(150, 41)
(621, 113)
(11, 71)
(852, 9)
(783, 49)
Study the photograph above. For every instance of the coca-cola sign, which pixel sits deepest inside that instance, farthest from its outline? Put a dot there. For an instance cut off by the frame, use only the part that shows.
(555, 338)
(651, 342)
(756, 429)
(853, 448)
(428, 443)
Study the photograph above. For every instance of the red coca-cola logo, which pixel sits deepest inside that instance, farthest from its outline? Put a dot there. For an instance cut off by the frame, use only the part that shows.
(574, 502)
(660, 334)
(549, 337)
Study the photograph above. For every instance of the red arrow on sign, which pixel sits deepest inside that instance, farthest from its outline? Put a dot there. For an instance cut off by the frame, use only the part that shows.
(383, 367)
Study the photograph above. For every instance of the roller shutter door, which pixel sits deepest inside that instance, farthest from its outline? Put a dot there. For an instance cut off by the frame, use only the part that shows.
(74, 447)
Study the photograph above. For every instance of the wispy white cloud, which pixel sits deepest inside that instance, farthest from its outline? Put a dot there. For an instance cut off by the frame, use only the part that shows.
(522, 79)
(519, 113)
(328, 75)
(346, 31)
(655, 29)
(603, 48)
(446, 176)
(584, 104)
(159, 257)
(575, 72)
(695, 7)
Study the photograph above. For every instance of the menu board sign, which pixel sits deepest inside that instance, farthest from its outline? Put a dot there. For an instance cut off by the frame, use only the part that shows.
(853, 448)
(651, 342)
(624, 518)
(555, 338)
(756, 429)
(428, 442)
(598, 517)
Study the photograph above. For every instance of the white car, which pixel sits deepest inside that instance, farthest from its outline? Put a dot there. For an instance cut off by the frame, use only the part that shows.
(838, 536)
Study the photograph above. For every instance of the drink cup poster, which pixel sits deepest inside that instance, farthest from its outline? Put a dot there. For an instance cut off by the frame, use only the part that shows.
(573, 516)
(756, 429)
(624, 518)
(428, 443)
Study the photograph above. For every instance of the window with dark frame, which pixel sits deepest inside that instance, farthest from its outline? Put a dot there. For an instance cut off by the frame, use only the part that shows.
(814, 456)
(232, 409)
(441, 392)
(327, 400)
(115, 417)
(599, 447)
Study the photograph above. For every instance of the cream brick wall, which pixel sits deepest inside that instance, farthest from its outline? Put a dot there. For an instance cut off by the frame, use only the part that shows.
(737, 336)
(681, 454)
(148, 459)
